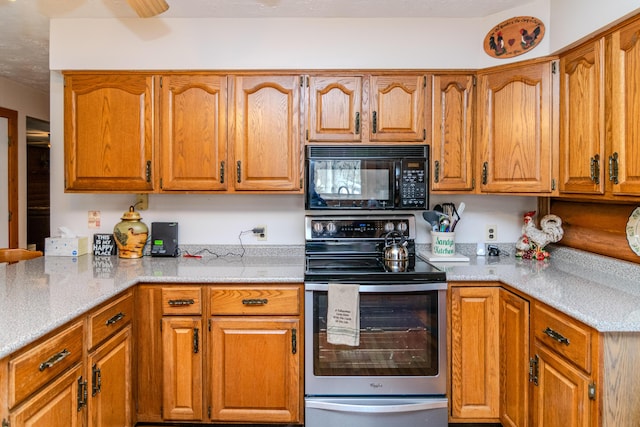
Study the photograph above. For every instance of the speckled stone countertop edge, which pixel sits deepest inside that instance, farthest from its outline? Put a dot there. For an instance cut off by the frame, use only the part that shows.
(597, 290)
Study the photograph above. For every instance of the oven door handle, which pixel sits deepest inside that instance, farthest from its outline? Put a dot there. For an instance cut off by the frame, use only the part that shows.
(409, 287)
(376, 407)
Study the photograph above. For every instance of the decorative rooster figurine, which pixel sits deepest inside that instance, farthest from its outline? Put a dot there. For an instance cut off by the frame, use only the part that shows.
(533, 241)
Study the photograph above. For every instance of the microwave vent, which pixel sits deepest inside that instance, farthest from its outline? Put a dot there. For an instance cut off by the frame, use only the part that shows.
(369, 152)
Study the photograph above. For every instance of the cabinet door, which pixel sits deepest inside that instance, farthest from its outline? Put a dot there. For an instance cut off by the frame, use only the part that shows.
(515, 136)
(561, 392)
(475, 381)
(582, 126)
(335, 104)
(452, 133)
(193, 132)
(110, 382)
(624, 70)
(182, 368)
(514, 360)
(57, 405)
(108, 132)
(397, 108)
(267, 150)
(256, 369)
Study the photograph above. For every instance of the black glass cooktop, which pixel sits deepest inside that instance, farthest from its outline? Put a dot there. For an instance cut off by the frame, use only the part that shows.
(337, 268)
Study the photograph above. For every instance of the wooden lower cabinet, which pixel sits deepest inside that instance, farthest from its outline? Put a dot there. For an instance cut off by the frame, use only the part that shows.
(182, 368)
(255, 369)
(561, 396)
(55, 405)
(243, 364)
(110, 399)
(489, 355)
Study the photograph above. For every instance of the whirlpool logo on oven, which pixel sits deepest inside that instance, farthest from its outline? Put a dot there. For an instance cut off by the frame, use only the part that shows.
(376, 385)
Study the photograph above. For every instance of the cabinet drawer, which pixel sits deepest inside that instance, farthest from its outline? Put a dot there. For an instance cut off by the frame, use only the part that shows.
(109, 319)
(255, 300)
(31, 369)
(564, 335)
(181, 300)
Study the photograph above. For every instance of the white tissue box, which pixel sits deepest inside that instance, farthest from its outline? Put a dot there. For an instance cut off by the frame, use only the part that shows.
(66, 246)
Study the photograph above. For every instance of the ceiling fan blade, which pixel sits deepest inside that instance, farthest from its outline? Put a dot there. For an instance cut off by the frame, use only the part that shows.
(148, 8)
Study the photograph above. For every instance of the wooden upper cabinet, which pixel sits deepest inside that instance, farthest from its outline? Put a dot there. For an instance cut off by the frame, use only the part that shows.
(109, 132)
(267, 145)
(622, 111)
(397, 108)
(452, 134)
(334, 109)
(516, 128)
(193, 132)
(582, 126)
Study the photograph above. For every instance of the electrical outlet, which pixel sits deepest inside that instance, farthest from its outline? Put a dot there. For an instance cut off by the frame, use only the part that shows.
(492, 233)
(262, 234)
(142, 202)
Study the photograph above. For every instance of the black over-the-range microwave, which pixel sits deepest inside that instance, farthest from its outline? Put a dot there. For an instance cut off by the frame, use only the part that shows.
(368, 177)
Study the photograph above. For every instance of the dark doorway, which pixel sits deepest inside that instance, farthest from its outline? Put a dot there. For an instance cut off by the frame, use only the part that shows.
(38, 177)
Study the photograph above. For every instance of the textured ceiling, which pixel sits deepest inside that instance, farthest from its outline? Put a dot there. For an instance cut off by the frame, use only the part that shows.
(24, 24)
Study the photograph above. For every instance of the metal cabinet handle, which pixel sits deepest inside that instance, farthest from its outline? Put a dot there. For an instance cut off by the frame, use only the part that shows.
(115, 319)
(595, 169)
(556, 336)
(294, 341)
(222, 172)
(147, 172)
(82, 393)
(196, 340)
(96, 380)
(485, 173)
(375, 122)
(255, 301)
(174, 302)
(357, 122)
(436, 171)
(613, 168)
(239, 171)
(54, 359)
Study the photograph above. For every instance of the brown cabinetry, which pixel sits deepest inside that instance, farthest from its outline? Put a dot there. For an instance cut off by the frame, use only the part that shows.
(193, 132)
(182, 361)
(452, 132)
(376, 108)
(516, 140)
(109, 132)
(489, 355)
(255, 350)
(267, 150)
(563, 371)
(110, 356)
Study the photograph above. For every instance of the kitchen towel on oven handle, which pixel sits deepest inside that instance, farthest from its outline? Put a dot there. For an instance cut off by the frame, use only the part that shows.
(343, 314)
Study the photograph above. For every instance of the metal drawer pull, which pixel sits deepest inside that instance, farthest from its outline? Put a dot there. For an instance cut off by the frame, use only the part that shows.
(181, 302)
(255, 301)
(54, 359)
(556, 336)
(115, 319)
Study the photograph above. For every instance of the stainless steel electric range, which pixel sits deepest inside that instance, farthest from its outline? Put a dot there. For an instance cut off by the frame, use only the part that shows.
(396, 374)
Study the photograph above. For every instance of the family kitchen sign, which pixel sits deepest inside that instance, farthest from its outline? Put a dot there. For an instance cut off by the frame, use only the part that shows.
(514, 37)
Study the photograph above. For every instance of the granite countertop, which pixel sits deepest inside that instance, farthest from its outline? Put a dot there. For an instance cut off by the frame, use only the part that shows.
(39, 295)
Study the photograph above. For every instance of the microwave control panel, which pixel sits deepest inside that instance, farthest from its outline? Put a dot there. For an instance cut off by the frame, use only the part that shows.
(413, 184)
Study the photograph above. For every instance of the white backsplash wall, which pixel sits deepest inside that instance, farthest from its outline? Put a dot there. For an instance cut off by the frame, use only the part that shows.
(219, 219)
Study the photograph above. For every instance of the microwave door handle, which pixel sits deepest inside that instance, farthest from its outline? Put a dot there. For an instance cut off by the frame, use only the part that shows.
(376, 407)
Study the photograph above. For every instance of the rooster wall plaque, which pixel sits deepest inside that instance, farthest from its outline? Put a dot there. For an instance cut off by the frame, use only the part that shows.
(514, 37)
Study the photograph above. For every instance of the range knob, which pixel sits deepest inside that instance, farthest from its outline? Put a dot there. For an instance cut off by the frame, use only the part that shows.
(331, 228)
(318, 228)
(388, 227)
(402, 227)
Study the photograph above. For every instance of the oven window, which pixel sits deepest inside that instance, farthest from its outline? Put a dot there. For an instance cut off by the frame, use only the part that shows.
(398, 337)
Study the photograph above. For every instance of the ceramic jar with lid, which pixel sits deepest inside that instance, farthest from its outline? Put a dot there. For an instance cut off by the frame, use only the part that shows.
(131, 235)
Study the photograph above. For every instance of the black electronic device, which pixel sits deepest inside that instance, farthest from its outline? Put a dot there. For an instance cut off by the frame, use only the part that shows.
(164, 239)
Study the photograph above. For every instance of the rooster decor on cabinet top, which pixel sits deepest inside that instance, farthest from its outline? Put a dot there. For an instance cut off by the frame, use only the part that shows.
(514, 37)
(533, 241)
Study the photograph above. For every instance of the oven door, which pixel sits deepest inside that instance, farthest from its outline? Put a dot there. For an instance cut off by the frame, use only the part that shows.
(402, 347)
(350, 184)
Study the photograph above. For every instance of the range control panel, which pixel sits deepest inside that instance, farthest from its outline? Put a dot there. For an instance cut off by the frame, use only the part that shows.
(358, 227)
